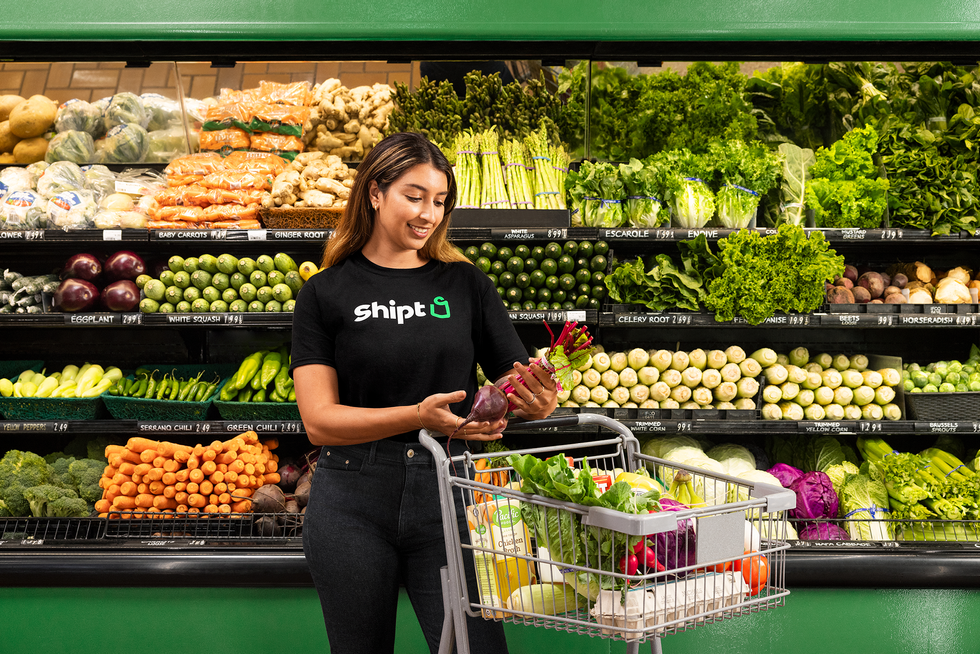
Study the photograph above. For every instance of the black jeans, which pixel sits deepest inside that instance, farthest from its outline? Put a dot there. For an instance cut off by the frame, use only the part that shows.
(373, 522)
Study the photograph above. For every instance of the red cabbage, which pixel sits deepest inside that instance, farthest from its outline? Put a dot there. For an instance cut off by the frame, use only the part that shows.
(677, 548)
(823, 531)
(785, 473)
(815, 497)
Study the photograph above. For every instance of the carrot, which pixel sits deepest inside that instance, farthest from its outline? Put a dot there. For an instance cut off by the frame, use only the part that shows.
(208, 467)
(224, 498)
(103, 506)
(232, 445)
(260, 468)
(171, 465)
(169, 478)
(272, 465)
(210, 508)
(142, 488)
(155, 474)
(231, 487)
(169, 492)
(249, 436)
(220, 488)
(194, 462)
(237, 466)
(113, 449)
(243, 492)
(222, 468)
(243, 506)
(272, 478)
(272, 443)
(181, 508)
(209, 455)
(111, 493)
(249, 469)
(216, 477)
(213, 499)
(197, 475)
(198, 450)
(143, 468)
(180, 486)
(225, 458)
(194, 510)
(139, 444)
(114, 460)
(181, 456)
(180, 497)
(144, 500)
(119, 478)
(193, 487)
(131, 456)
(156, 487)
(159, 461)
(231, 476)
(163, 503)
(147, 456)
(196, 500)
(124, 502)
(137, 479)
(182, 475)
(128, 489)
(246, 457)
(206, 487)
(217, 446)
(126, 468)
(224, 508)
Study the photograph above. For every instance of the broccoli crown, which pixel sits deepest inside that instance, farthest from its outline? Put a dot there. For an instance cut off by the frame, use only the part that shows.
(84, 476)
(68, 507)
(59, 470)
(45, 498)
(19, 471)
(5, 511)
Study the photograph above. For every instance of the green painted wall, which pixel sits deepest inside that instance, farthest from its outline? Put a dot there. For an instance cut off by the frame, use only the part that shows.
(236, 620)
(613, 20)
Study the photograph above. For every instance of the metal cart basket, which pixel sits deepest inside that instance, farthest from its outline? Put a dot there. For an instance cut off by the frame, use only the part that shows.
(526, 555)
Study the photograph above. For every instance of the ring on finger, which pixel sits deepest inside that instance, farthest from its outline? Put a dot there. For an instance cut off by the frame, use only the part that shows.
(533, 397)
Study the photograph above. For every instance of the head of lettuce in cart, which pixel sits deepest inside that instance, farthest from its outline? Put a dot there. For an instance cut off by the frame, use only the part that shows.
(386, 341)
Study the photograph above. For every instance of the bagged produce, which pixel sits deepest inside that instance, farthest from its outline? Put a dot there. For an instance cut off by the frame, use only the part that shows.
(295, 93)
(199, 164)
(164, 112)
(72, 209)
(100, 180)
(59, 177)
(124, 109)
(228, 115)
(119, 220)
(237, 179)
(14, 179)
(35, 170)
(78, 115)
(255, 162)
(166, 144)
(224, 141)
(71, 145)
(24, 210)
(127, 143)
(286, 147)
(279, 119)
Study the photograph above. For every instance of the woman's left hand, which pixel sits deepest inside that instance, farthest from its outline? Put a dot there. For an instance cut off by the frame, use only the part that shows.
(539, 397)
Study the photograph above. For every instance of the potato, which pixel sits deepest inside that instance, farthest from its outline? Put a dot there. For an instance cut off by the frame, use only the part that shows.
(7, 158)
(33, 117)
(7, 103)
(30, 150)
(7, 140)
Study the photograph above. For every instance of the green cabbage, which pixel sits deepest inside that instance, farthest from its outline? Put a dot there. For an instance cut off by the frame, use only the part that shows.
(78, 115)
(731, 451)
(72, 145)
(127, 143)
(125, 108)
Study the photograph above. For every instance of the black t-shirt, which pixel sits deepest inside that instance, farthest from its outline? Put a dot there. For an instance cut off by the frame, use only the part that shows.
(396, 336)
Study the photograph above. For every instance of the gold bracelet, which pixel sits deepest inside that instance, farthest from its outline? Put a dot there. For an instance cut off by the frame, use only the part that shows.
(418, 413)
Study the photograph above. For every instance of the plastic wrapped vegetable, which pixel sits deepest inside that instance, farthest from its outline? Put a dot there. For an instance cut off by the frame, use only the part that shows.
(815, 497)
(823, 531)
(35, 170)
(127, 143)
(72, 210)
(73, 145)
(59, 177)
(164, 112)
(78, 115)
(747, 172)
(119, 220)
(14, 179)
(125, 108)
(24, 210)
(644, 185)
(100, 180)
(167, 144)
(678, 548)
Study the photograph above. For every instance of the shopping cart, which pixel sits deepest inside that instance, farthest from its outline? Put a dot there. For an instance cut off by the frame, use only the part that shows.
(694, 577)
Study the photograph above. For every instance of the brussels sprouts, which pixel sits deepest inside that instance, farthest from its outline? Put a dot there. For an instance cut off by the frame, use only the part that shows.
(72, 145)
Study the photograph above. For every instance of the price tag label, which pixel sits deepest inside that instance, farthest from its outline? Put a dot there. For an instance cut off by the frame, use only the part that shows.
(631, 234)
(34, 235)
(851, 234)
(299, 235)
(684, 426)
(576, 316)
(30, 542)
(218, 234)
(650, 426)
(824, 427)
(967, 320)
(161, 427)
(256, 234)
(891, 234)
(93, 319)
(132, 188)
(929, 319)
(111, 234)
(870, 427)
(132, 318)
(946, 427)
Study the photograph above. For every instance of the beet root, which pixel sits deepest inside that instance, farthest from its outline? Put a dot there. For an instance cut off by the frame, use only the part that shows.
(873, 282)
(861, 295)
(489, 405)
(840, 295)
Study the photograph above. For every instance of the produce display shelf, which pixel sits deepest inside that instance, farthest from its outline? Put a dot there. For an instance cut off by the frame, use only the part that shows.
(835, 236)
(163, 429)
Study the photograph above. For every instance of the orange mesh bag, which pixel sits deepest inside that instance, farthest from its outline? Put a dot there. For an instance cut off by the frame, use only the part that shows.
(226, 115)
(233, 180)
(229, 212)
(242, 197)
(296, 93)
(193, 195)
(199, 164)
(256, 162)
(286, 147)
(180, 214)
(225, 141)
(285, 119)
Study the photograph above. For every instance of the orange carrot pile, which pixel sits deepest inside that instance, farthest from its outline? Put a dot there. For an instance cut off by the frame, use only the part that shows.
(147, 476)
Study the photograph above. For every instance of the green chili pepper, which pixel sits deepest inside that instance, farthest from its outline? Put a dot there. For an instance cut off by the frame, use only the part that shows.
(259, 396)
(245, 395)
(139, 388)
(199, 391)
(174, 389)
(282, 379)
(151, 386)
(210, 390)
(275, 397)
(256, 381)
(228, 391)
(270, 367)
(185, 390)
(163, 386)
(292, 395)
(248, 369)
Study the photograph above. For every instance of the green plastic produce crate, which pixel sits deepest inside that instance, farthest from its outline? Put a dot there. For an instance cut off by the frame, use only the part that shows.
(133, 408)
(257, 410)
(52, 408)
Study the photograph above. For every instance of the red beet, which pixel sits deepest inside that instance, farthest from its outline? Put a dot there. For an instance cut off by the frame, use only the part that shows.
(844, 282)
(489, 405)
(873, 282)
(861, 295)
(840, 295)
(900, 280)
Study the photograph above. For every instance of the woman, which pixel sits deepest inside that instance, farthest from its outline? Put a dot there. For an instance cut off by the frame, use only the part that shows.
(385, 342)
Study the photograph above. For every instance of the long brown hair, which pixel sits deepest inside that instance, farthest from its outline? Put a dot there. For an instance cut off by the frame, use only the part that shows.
(387, 161)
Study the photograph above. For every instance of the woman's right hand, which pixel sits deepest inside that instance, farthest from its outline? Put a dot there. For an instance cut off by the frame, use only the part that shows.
(435, 415)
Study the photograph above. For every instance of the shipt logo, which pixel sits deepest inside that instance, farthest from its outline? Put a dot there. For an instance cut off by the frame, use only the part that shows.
(439, 308)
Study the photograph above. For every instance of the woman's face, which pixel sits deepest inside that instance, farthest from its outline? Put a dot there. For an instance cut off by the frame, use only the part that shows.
(410, 210)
